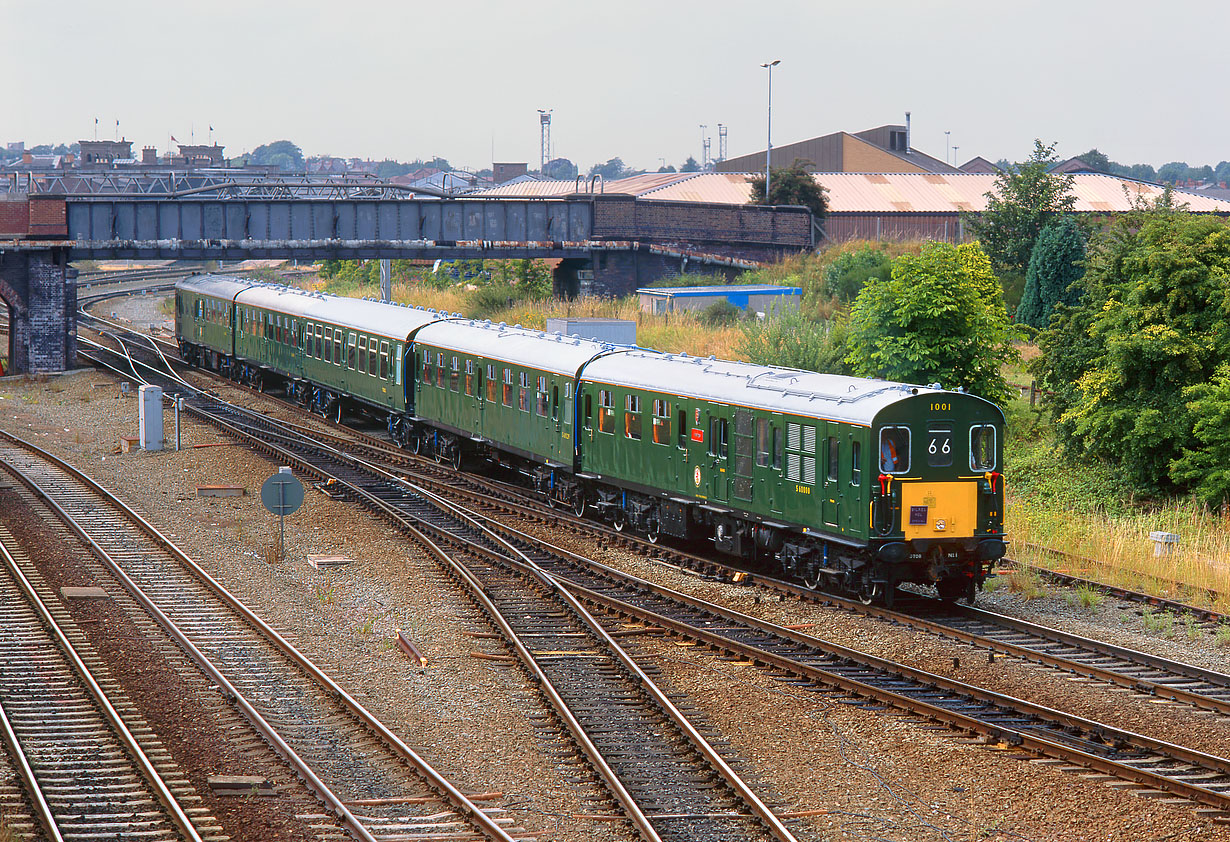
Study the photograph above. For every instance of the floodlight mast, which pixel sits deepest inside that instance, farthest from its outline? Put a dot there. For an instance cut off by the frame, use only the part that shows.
(768, 152)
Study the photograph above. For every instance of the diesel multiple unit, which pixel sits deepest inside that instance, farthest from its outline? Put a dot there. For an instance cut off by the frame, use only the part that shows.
(840, 481)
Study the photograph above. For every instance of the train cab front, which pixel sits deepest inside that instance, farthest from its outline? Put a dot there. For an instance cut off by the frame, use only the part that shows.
(937, 504)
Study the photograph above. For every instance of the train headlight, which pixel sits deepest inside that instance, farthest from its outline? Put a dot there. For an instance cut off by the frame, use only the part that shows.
(941, 525)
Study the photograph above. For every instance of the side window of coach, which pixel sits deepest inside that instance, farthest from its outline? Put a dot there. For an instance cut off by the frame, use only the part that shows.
(982, 448)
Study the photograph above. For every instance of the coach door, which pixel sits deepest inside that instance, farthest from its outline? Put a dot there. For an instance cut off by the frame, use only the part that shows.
(718, 436)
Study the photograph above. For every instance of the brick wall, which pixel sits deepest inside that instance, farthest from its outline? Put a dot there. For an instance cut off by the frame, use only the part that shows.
(14, 217)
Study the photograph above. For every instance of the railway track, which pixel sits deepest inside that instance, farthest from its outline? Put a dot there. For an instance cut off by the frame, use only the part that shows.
(88, 770)
(1132, 757)
(340, 750)
(1164, 768)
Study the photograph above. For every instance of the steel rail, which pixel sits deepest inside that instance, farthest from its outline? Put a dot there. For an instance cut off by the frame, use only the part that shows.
(638, 818)
(33, 790)
(164, 795)
(528, 565)
(953, 718)
(459, 800)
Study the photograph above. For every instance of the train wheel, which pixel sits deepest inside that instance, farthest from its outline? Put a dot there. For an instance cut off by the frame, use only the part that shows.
(415, 442)
(551, 501)
(337, 411)
(619, 520)
(456, 458)
(869, 592)
(652, 531)
(578, 502)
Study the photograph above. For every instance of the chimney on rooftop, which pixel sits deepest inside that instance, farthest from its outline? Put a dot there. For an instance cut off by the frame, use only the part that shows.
(907, 133)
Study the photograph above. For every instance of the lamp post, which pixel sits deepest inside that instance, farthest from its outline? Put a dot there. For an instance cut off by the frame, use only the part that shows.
(947, 146)
(768, 152)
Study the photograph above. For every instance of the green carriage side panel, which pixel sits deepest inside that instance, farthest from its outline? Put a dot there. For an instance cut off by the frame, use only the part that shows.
(522, 383)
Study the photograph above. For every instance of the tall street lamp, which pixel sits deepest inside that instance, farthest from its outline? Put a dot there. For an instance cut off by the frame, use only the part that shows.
(947, 145)
(768, 152)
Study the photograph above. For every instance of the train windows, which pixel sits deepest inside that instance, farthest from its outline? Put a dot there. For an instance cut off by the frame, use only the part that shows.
(606, 411)
(632, 417)
(540, 397)
(491, 383)
(554, 401)
(939, 445)
(682, 443)
(439, 369)
(508, 387)
(762, 442)
(469, 377)
(982, 448)
(425, 376)
(200, 308)
(351, 350)
(856, 467)
(319, 343)
(384, 361)
(397, 364)
(661, 422)
(568, 404)
(589, 411)
(834, 458)
(454, 376)
(337, 347)
(895, 450)
(778, 444)
(523, 392)
(296, 338)
(362, 354)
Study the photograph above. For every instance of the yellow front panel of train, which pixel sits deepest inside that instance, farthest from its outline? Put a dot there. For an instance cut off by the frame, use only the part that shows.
(939, 509)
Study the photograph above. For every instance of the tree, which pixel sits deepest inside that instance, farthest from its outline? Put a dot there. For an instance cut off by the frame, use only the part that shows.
(561, 169)
(1025, 198)
(1056, 264)
(282, 154)
(1096, 161)
(939, 318)
(793, 185)
(1205, 466)
(667, 168)
(1156, 323)
(1173, 172)
(387, 169)
(1222, 171)
(690, 165)
(612, 169)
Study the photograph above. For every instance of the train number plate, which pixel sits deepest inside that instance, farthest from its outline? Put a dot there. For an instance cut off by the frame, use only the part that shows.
(918, 515)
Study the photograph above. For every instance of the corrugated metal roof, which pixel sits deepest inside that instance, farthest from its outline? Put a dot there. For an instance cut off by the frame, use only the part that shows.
(731, 289)
(527, 190)
(930, 192)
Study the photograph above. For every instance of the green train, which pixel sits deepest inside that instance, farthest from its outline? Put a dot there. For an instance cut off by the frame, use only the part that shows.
(842, 482)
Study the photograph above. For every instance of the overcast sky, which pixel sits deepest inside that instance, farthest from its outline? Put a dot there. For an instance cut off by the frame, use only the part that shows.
(1141, 80)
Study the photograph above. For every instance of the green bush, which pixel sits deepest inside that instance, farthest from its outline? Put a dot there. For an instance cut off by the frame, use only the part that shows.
(845, 276)
(721, 313)
(792, 340)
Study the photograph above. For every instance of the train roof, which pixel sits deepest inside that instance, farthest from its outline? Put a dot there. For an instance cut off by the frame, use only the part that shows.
(552, 352)
(853, 400)
(220, 286)
(361, 314)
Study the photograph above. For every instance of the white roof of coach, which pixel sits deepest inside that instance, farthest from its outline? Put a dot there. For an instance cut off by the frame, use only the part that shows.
(532, 348)
(360, 314)
(833, 396)
(216, 285)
